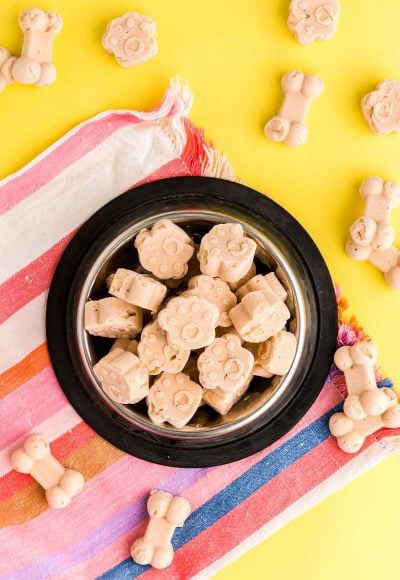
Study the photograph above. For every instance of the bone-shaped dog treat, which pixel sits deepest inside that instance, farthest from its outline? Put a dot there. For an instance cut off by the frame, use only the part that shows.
(311, 20)
(155, 352)
(216, 291)
(131, 39)
(223, 401)
(6, 63)
(250, 274)
(166, 512)
(260, 282)
(386, 260)
(380, 198)
(358, 362)
(34, 67)
(123, 376)
(381, 108)
(299, 91)
(59, 483)
(112, 317)
(125, 344)
(138, 289)
(275, 356)
(174, 399)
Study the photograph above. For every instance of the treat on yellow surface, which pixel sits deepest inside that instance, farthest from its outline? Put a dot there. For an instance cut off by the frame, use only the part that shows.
(131, 39)
(381, 108)
(6, 63)
(113, 318)
(157, 354)
(380, 198)
(311, 20)
(138, 289)
(174, 399)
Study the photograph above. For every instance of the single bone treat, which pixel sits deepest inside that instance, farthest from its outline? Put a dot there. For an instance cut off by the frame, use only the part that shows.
(138, 289)
(225, 364)
(223, 401)
(275, 356)
(112, 317)
(6, 63)
(371, 235)
(34, 67)
(226, 253)
(250, 274)
(165, 250)
(216, 291)
(131, 39)
(123, 376)
(189, 322)
(173, 399)
(289, 125)
(125, 344)
(311, 20)
(155, 352)
(59, 483)
(381, 108)
(380, 198)
(387, 260)
(260, 282)
(259, 316)
(357, 362)
(166, 512)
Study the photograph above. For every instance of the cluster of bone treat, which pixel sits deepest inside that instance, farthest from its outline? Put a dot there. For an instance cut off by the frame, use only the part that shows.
(212, 323)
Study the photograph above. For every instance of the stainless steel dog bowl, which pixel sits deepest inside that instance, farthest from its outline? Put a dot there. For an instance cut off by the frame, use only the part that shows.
(270, 407)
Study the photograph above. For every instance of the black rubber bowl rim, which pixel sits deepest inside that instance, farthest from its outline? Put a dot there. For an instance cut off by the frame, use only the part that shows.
(154, 448)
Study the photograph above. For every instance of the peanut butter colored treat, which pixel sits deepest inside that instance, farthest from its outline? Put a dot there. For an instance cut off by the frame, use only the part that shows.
(225, 364)
(358, 364)
(269, 282)
(226, 253)
(165, 250)
(235, 285)
(381, 108)
(223, 401)
(166, 512)
(311, 20)
(138, 289)
(189, 322)
(6, 63)
(113, 318)
(125, 344)
(35, 458)
(380, 198)
(275, 356)
(216, 291)
(123, 376)
(174, 399)
(289, 125)
(131, 39)
(155, 352)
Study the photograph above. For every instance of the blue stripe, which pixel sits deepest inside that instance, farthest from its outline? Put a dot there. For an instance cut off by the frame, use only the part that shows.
(237, 491)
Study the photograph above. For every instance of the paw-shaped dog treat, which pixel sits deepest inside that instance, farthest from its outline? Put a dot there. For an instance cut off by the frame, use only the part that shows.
(59, 483)
(189, 322)
(289, 125)
(225, 364)
(250, 274)
(275, 356)
(112, 317)
(131, 39)
(259, 316)
(223, 401)
(226, 253)
(380, 198)
(216, 291)
(263, 283)
(174, 399)
(123, 376)
(138, 289)
(381, 108)
(165, 250)
(125, 344)
(166, 512)
(311, 20)
(155, 352)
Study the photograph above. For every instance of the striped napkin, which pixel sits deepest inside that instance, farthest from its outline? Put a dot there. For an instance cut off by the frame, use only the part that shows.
(234, 506)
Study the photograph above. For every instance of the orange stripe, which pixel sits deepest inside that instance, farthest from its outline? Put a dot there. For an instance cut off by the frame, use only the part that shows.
(31, 365)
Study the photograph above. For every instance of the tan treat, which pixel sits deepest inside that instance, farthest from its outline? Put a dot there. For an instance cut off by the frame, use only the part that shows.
(235, 285)
(357, 362)
(221, 331)
(225, 364)
(138, 289)
(59, 483)
(289, 125)
(371, 235)
(380, 198)
(258, 370)
(381, 108)
(259, 315)
(174, 399)
(216, 291)
(6, 63)
(131, 39)
(166, 512)
(164, 250)
(311, 20)
(34, 67)
(125, 344)
(226, 253)
(112, 317)
(387, 260)
(155, 352)
(189, 322)
(122, 376)
(260, 282)
(223, 401)
(275, 356)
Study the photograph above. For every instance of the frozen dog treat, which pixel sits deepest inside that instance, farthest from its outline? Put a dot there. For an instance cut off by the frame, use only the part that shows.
(259, 316)
(371, 235)
(6, 63)
(59, 483)
(380, 198)
(381, 108)
(235, 285)
(138, 289)
(131, 39)
(225, 364)
(289, 125)
(173, 399)
(223, 401)
(386, 260)
(275, 356)
(125, 344)
(226, 253)
(358, 364)
(216, 291)
(189, 322)
(311, 20)
(166, 512)
(155, 352)
(269, 282)
(165, 250)
(123, 376)
(112, 317)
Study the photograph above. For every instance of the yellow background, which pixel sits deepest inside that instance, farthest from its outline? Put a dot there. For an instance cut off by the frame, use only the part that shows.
(233, 53)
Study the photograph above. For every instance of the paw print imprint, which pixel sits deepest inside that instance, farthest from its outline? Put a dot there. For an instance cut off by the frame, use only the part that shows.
(216, 291)
(131, 39)
(311, 20)
(173, 399)
(157, 354)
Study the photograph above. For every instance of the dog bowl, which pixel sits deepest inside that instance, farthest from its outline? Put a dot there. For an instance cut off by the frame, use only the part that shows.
(270, 407)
